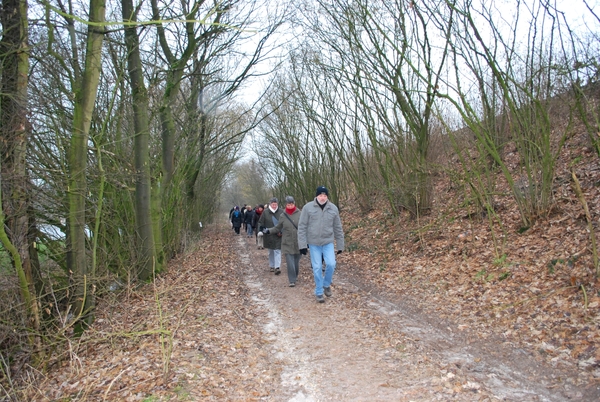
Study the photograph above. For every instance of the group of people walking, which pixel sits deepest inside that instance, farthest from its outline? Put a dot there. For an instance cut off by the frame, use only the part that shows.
(245, 218)
(294, 232)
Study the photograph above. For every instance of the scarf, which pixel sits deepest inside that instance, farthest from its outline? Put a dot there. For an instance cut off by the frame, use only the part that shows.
(290, 211)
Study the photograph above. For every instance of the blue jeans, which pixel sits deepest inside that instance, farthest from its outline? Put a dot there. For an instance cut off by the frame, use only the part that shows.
(249, 230)
(317, 254)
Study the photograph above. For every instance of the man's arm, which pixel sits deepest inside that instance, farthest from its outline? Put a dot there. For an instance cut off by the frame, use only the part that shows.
(302, 227)
(338, 232)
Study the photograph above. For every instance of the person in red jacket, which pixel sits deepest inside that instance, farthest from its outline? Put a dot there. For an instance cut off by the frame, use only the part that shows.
(288, 226)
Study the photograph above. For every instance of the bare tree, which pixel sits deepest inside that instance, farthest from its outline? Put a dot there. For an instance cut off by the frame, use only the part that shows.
(15, 184)
(290, 141)
(387, 57)
(523, 74)
(197, 82)
(585, 77)
(143, 185)
(85, 97)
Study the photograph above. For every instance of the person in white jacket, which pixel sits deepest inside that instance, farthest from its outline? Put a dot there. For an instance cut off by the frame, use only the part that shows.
(269, 218)
(319, 226)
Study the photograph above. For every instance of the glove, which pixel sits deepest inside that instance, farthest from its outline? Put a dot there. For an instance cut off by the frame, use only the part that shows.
(303, 251)
(339, 252)
(265, 231)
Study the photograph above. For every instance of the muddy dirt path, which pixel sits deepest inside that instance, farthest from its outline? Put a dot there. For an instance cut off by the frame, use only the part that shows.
(364, 345)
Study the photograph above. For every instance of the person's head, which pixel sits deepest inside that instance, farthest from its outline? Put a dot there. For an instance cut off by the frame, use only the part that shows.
(237, 208)
(322, 194)
(290, 203)
(273, 203)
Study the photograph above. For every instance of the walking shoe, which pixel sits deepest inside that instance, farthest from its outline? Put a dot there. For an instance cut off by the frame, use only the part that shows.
(272, 269)
(292, 284)
(277, 271)
(320, 299)
(327, 291)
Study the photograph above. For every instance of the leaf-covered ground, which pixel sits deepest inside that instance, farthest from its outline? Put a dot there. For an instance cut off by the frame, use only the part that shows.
(439, 309)
(220, 326)
(189, 336)
(534, 287)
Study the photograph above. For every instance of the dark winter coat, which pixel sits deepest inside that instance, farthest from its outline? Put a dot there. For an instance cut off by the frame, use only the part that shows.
(270, 219)
(249, 217)
(255, 217)
(236, 218)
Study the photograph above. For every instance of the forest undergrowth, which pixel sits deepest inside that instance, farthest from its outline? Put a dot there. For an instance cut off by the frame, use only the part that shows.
(534, 286)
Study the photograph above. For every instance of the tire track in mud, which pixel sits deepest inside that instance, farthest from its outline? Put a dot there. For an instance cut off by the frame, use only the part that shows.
(364, 346)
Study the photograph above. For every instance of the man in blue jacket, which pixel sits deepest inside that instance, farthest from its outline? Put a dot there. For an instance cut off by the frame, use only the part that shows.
(319, 226)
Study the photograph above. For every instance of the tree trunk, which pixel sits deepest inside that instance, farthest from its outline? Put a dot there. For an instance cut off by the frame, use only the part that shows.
(85, 98)
(141, 143)
(14, 129)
